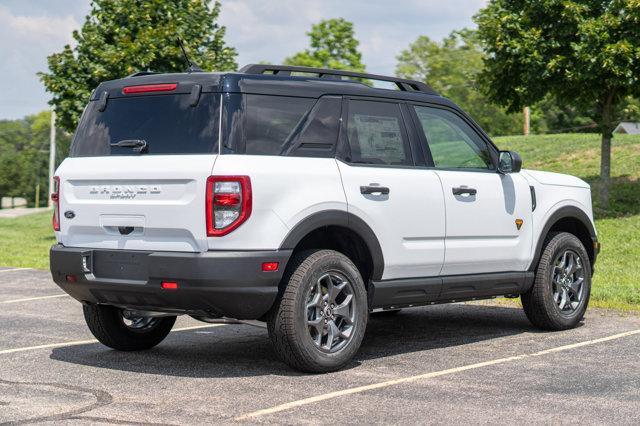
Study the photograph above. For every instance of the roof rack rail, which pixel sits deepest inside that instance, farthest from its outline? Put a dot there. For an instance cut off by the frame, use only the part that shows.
(286, 70)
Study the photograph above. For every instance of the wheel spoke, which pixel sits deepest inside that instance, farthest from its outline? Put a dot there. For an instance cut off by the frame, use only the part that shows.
(569, 269)
(575, 286)
(316, 302)
(563, 299)
(563, 260)
(316, 324)
(346, 333)
(332, 333)
(343, 309)
(334, 290)
(557, 270)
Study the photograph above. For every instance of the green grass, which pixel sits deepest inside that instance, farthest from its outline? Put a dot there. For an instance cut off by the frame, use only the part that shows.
(25, 241)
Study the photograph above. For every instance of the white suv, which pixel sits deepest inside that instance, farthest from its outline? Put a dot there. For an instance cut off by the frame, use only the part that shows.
(306, 201)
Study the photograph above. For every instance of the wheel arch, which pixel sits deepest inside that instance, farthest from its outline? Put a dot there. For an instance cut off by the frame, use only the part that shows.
(568, 219)
(338, 220)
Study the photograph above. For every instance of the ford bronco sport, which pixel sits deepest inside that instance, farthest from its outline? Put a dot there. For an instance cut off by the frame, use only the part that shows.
(307, 199)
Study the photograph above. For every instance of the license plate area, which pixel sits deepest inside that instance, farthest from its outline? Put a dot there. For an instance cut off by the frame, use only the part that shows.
(120, 265)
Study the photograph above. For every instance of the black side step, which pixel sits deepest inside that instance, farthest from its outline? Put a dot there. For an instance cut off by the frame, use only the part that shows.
(453, 288)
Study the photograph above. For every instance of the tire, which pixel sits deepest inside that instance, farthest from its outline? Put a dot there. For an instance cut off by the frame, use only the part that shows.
(556, 301)
(109, 326)
(300, 317)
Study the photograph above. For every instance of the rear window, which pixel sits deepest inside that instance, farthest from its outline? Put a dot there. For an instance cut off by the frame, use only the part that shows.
(168, 124)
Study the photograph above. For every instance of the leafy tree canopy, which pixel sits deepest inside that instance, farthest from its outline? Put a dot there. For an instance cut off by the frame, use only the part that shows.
(583, 52)
(120, 37)
(332, 45)
(24, 156)
(451, 67)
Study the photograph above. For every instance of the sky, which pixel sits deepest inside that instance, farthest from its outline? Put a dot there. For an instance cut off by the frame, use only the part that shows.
(267, 30)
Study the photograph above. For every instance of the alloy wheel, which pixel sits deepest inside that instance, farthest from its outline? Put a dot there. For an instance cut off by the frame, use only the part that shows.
(331, 312)
(568, 282)
(137, 323)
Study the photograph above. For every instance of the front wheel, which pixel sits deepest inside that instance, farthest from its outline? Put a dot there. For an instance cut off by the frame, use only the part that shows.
(319, 319)
(560, 294)
(120, 330)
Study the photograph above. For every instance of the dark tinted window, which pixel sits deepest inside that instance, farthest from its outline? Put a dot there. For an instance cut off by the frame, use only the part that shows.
(270, 121)
(453, 143)
(168, 123)
(317, 134)
(376, 134)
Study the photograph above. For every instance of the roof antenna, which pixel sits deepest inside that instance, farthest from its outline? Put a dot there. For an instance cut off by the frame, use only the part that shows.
(192, 66)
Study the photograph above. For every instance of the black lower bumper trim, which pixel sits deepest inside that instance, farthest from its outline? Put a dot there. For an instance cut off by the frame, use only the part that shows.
(229, 283)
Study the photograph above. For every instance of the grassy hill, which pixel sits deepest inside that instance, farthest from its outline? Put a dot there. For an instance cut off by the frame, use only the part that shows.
(25, 241)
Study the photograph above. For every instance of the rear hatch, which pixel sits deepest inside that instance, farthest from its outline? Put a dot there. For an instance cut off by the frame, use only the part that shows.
(138, 169)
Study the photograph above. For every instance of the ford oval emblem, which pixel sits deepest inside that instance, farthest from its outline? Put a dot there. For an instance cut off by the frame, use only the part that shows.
(69, 214)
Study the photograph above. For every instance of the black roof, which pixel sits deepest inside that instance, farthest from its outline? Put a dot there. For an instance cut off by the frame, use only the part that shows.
(252, 79)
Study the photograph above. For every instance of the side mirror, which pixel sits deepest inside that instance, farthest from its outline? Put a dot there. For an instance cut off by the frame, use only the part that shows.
(510, 162)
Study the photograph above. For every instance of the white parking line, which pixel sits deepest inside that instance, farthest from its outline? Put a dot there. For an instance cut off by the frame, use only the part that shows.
(29, 299)
(87, 342)
(359, 389)
(14, 269)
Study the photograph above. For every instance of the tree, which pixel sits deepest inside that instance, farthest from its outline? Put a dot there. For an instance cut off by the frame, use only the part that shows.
(451, 67)
(333, 45)
(121, 37)
(582, 52)
(24, 156)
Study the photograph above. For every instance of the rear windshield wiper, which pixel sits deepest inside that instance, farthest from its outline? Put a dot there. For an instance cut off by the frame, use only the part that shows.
(138, 145)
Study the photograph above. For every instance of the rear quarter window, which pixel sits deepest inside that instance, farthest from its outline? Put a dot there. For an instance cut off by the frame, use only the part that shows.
(270, 121)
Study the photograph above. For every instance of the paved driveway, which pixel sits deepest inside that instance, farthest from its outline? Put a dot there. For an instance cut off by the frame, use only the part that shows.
(443, 364)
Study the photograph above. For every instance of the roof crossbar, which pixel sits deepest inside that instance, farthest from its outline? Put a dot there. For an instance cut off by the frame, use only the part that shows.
(286, 70)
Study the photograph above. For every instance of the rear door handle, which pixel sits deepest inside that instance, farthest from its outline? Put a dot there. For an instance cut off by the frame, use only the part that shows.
(372, 189)
(464, 190)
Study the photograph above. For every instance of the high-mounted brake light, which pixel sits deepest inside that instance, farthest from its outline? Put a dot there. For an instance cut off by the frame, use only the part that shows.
(55, 197)
(165, 87)
(228, 203)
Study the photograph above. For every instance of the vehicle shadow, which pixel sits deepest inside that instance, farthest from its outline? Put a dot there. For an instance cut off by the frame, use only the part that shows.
(245, 351)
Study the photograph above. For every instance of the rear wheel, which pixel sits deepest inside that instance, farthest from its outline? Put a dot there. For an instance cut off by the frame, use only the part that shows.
(120, 330)
(562, 287)
(319, 319)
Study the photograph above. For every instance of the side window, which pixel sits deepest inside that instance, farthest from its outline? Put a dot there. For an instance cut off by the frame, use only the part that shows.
(270, 120)
(452, 142)
(317, 134)
(376, 134)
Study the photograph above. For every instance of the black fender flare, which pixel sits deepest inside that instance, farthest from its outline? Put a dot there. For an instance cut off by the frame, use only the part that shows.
(345, 220)
(562, 213)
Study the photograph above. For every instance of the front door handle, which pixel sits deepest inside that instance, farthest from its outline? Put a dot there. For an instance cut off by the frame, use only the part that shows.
(464, 190)
(371, 189)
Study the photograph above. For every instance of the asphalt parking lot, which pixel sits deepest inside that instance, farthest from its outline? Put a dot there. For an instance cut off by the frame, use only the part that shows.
(473, 363)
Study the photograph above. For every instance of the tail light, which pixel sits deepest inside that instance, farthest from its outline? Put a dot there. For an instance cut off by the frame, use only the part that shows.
(228, 202)
(55, 197)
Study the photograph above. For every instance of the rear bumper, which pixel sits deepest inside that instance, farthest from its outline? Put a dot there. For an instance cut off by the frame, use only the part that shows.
(211, 283)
